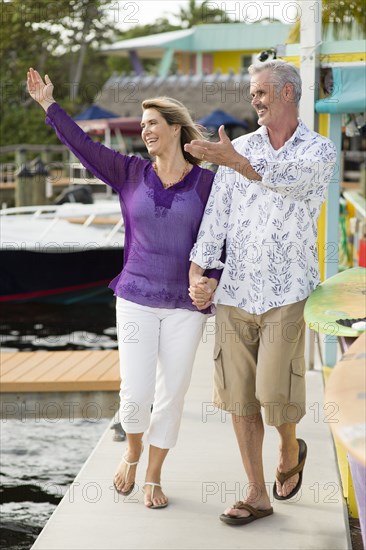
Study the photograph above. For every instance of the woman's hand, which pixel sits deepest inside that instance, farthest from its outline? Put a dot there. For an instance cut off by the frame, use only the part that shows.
(201, 292)
(40, 91)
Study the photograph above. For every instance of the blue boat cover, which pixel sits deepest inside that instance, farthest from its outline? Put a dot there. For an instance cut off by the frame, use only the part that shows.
(349, 92)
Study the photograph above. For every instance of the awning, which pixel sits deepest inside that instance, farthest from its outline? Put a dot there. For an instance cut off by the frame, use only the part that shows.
(349, 92)
(94, 112)
(217, 118)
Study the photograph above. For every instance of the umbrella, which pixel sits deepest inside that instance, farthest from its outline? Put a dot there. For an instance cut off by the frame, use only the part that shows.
(217, 118)
(94, 112)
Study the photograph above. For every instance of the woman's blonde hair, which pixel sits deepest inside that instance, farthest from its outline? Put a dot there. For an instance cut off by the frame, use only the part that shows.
(174, 112)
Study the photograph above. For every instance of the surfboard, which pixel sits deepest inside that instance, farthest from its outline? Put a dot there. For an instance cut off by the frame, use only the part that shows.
(342, 296)
(345, 397)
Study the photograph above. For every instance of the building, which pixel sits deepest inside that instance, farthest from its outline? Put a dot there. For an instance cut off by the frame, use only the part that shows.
(204, 49)
(205, 67)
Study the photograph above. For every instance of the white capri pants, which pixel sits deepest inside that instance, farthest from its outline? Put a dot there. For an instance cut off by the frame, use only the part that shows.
(157, 347)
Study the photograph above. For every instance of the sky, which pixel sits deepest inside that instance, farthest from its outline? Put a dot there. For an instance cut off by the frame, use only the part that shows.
(141, 12)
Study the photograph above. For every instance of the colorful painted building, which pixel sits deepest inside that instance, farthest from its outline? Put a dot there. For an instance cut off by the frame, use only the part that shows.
(204, 49)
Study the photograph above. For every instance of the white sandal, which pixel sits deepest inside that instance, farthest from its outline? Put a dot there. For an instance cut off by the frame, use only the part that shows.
(129, 465)
(153, 485)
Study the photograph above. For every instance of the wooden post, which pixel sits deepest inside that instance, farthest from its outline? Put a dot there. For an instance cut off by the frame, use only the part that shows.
(23, 186)
(38, 185)
(20, 158)
(46, 157)
(310, 40)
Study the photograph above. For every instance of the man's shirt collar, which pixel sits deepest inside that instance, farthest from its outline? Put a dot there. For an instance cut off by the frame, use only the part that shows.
(302, 132)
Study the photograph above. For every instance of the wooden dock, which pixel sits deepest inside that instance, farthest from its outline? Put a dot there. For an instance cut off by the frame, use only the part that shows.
(202, 476)
(59, 371)
(31, 380)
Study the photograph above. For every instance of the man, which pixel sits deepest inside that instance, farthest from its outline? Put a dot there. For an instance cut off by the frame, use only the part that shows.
(263, 207)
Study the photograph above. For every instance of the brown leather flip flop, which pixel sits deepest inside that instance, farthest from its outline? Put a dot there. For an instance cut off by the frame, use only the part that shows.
(254, 514)
(283, 476)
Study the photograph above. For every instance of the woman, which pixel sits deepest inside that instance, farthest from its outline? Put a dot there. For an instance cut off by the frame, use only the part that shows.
(159, 328)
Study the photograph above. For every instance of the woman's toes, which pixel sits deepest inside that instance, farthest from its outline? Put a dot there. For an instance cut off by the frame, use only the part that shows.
(118, 481)
(158, 500)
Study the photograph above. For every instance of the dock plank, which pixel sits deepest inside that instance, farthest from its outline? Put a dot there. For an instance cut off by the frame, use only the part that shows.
(52, 363)
(52, 374)
(110, 374)
(61, 371)
(6, 356)
(85, 365)
(100, 368)
(29, 363)
(11, 359)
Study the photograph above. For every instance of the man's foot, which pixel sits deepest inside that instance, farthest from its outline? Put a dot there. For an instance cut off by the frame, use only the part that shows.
(291, 460)
(154, 496)
(124, 478)
(263, 504)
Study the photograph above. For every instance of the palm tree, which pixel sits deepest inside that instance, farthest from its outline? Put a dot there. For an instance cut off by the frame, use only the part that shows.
(200, 14)
(344, 15)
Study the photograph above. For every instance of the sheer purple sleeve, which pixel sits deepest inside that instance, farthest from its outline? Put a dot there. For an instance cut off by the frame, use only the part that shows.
(109, 166)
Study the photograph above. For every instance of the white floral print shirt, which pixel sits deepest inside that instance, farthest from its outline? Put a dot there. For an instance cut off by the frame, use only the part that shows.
(268, 227)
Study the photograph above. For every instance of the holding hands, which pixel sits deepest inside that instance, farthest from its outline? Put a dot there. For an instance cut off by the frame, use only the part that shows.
(41, 91)
(201, 291)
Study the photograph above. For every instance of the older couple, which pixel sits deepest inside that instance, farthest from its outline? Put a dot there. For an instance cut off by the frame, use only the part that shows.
(261, 208)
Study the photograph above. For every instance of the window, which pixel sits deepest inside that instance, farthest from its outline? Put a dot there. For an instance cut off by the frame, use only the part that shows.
(245, 61)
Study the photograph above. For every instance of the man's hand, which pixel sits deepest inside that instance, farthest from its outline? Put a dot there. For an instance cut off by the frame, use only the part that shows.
(222, 152)
(40, 91)
(201, 291)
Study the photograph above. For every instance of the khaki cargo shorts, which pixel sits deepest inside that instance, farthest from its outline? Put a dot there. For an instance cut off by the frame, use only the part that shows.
(259, 362)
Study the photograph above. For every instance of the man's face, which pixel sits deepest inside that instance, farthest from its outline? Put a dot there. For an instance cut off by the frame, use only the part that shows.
(267, 99)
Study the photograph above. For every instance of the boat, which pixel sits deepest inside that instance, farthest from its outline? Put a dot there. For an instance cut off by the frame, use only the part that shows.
(60, 253)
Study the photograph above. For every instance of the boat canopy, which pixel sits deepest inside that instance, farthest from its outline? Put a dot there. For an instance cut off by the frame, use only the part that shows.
(349, 92)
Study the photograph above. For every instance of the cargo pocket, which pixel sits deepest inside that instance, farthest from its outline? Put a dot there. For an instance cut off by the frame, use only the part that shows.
(297, 390)
(219, 377)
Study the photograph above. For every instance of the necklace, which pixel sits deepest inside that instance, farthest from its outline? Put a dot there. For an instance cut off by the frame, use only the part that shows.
(184, 173)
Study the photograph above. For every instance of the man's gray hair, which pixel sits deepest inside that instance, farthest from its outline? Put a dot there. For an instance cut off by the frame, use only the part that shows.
(284, 73)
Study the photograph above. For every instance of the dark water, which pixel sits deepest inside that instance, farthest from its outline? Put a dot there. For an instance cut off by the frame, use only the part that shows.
(40, 459)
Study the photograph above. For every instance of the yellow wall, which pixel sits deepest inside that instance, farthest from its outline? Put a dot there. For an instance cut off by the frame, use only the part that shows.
(294, 59)
(323, 130)
(330, 58)
(226, 61)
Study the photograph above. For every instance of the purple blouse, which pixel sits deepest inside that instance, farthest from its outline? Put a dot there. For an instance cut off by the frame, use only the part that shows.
(161, 225)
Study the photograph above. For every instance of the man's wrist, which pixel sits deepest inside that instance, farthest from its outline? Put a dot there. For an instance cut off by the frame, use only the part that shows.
(234, 160)
(242, 165)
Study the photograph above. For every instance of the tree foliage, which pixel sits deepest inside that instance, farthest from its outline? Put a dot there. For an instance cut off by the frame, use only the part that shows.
(201, 14)
(345, 17)
(59, 38)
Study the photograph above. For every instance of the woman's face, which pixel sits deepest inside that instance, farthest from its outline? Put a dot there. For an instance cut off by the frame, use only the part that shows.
(157, 134)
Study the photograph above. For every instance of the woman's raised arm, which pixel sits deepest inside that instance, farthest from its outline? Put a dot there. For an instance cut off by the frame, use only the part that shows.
(109, 166)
